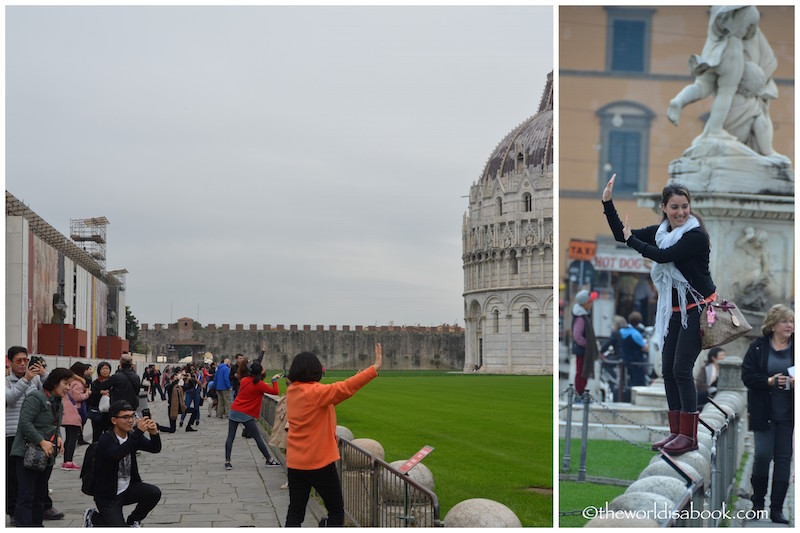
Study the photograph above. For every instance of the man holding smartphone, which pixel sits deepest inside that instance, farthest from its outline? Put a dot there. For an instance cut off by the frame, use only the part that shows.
(117, 481)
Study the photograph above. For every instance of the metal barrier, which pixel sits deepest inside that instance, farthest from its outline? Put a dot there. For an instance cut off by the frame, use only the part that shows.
(723, 465)
(723, 459)
(692, 499)
(378, 495)
(375, 494)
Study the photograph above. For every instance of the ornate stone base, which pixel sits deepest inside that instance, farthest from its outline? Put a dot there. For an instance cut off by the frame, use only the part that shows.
(724, 165)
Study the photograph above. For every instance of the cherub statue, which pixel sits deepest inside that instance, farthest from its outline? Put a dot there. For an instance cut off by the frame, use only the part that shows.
(736, 66)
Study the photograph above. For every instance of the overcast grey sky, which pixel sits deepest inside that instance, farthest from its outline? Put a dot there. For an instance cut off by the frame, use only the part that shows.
(295, 165)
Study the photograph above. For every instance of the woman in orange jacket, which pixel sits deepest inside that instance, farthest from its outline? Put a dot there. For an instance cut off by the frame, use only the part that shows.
(311, 447)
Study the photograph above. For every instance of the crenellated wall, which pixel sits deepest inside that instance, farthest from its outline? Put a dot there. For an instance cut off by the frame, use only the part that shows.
(339, 347)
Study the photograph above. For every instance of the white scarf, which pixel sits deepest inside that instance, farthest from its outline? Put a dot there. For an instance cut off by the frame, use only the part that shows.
(666, 276)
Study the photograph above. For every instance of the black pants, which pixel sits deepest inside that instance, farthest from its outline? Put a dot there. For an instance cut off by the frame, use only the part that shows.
(326, 482)
(101, 423)
(156, 387)
(251, 428)
(774, 444)
(172, 426)
(681, 348)
(11, 482)
(144, 495)
(32, 498)
(70, 442)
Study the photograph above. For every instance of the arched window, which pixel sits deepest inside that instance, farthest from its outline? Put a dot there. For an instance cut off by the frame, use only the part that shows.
(526, 320)
(514, 262)
(520, 161)
(527, 200)
(499, 207)
(496, 317)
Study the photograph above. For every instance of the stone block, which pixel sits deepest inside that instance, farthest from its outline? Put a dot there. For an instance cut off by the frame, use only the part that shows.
(343, 432)
(239, 327)
(640, 501)
(481, 512)
(614, 522)
(356, 460)
(662, 468)
(663, 485)
(393, 490)
(694, 459)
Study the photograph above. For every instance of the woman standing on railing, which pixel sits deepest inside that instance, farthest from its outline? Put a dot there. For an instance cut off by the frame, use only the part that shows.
(246, 409)
(770, 401)
(311, 446)
(680, 249)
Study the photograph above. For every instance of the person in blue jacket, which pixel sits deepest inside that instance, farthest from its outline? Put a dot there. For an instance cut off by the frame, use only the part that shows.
(222, 384)
(634, 350)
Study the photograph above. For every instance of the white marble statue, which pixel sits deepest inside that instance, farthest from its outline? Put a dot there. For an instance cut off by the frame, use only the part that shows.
(735, 68)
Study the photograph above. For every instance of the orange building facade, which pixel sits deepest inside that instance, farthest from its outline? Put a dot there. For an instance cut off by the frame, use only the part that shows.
(619, 67)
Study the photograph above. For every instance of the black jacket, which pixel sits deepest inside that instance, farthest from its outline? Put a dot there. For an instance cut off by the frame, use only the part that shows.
(754, 377)
(124, 385)
(690, 254)
(110, 452)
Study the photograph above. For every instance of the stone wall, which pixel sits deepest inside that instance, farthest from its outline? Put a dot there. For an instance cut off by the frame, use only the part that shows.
(337, 347)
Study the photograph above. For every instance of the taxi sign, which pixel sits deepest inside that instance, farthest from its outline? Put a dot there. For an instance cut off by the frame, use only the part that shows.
(582, 250)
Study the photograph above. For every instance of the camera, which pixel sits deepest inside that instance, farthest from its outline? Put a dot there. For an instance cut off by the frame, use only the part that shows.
(36, 359)
(146, 413)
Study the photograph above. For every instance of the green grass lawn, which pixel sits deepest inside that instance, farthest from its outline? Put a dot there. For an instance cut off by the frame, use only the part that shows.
(492, 434)
(604, 458)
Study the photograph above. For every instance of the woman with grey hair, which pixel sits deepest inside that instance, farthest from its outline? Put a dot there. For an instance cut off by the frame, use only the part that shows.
(767, 372)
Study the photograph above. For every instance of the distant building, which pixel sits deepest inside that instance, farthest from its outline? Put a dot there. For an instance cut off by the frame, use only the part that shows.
(59, 297)
(508, 252)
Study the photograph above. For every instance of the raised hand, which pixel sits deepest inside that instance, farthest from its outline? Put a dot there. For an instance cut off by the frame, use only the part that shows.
(626, 229)
(378, 357)
(609, 188)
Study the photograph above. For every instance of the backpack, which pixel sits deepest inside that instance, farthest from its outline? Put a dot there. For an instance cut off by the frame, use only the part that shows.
(87, 470)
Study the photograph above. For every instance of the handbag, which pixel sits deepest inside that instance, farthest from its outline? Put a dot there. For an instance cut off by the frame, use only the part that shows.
(35, 458)
(104, 404)
(721, 321)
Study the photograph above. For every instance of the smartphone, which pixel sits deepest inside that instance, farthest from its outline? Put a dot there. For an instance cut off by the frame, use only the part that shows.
(146, 413)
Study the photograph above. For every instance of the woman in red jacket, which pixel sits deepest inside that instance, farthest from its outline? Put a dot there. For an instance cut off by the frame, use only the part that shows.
(311, 446)
(246, 408)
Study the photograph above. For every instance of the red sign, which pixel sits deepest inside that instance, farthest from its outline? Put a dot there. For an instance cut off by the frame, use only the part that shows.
(419, 456)
(582, 250)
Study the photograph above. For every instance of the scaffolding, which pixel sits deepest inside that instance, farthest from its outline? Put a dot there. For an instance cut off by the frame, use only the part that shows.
(90, 235)
(118, 278)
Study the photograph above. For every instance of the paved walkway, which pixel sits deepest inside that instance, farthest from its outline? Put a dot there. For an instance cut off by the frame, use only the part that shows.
(196, 491)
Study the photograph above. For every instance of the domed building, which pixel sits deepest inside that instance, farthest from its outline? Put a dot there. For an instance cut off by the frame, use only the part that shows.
(508, 252)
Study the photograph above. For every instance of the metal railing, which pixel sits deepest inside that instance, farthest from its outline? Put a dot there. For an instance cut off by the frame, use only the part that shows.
(723, 463)
(723, 459)
(375, 494)
(378, 495)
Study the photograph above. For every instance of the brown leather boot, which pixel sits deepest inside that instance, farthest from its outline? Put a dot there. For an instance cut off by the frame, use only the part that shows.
(686, 441)
(674, 428)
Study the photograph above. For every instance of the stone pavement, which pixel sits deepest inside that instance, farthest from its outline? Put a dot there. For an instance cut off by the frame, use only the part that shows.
(196, 491)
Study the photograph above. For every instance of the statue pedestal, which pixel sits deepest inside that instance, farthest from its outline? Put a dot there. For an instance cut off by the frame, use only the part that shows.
(752, 250)
(721, 164)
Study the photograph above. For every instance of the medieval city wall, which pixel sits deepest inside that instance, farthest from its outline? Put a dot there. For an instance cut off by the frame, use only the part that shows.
(337, 347)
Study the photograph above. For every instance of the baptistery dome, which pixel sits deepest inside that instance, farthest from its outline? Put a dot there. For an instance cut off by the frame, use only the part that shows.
(529, 145)
(508, 252)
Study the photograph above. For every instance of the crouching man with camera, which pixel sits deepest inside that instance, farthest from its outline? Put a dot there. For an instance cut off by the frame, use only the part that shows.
(116, 475)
